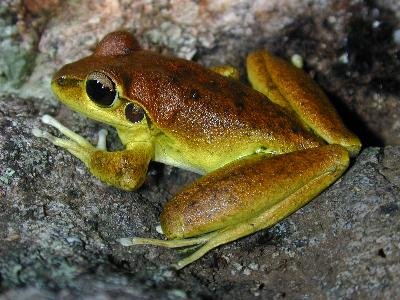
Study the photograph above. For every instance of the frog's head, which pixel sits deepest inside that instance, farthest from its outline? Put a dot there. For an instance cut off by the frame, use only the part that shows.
(94, 85)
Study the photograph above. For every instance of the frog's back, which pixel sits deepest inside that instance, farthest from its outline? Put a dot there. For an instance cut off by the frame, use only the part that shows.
(200, 107)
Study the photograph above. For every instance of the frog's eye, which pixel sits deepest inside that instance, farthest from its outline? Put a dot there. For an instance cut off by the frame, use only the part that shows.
(101, 89)
(134, 113)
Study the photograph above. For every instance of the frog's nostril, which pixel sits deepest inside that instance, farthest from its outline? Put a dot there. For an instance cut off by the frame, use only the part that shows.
(61, 81)
(64, 81)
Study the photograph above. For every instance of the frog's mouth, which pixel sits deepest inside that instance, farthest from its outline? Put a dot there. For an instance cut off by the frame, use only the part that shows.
(68, 90)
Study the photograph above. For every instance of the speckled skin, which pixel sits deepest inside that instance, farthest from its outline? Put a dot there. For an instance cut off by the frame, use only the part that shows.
(197, 119)
(292, 88)
(244, 189)
(195, 109)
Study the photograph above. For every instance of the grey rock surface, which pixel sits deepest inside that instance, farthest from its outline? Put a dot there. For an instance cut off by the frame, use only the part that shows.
(349, 47)
(59, 225)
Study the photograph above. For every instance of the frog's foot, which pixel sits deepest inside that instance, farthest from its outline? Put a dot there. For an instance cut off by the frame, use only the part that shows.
(188, 243)
(166, 243)
(227, 71)
(76, 144)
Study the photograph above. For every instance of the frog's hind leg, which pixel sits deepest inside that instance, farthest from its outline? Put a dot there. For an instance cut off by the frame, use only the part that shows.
(292, 88)
(246, 196)
(178, 243)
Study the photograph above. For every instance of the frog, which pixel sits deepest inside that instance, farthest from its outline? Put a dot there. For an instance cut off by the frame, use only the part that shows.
(263, 150)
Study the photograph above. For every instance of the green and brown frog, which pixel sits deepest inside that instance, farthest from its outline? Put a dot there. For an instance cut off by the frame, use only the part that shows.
(264, 151)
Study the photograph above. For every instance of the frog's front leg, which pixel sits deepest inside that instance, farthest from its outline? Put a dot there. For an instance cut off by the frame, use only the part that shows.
(246, 196)
(124, 169)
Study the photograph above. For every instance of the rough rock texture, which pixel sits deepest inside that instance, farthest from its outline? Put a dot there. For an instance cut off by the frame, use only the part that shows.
(58, 224)
(350, 47)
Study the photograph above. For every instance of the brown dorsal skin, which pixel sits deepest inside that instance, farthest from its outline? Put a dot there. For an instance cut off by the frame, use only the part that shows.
(117, 43)
(196, 105)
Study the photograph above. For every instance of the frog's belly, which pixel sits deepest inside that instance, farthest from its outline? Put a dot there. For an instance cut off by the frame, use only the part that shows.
(203, 160)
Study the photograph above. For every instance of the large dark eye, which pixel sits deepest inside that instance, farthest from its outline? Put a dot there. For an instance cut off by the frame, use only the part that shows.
(101, 89)
(134, 113)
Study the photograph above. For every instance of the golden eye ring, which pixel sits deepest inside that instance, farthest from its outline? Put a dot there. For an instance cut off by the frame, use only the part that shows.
(101, 89)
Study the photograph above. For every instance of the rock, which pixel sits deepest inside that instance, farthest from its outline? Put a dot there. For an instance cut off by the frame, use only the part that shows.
(59, 227)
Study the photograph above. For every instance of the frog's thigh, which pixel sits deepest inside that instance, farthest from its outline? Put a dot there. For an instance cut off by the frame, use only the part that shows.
(292, 88)
(249, 195)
